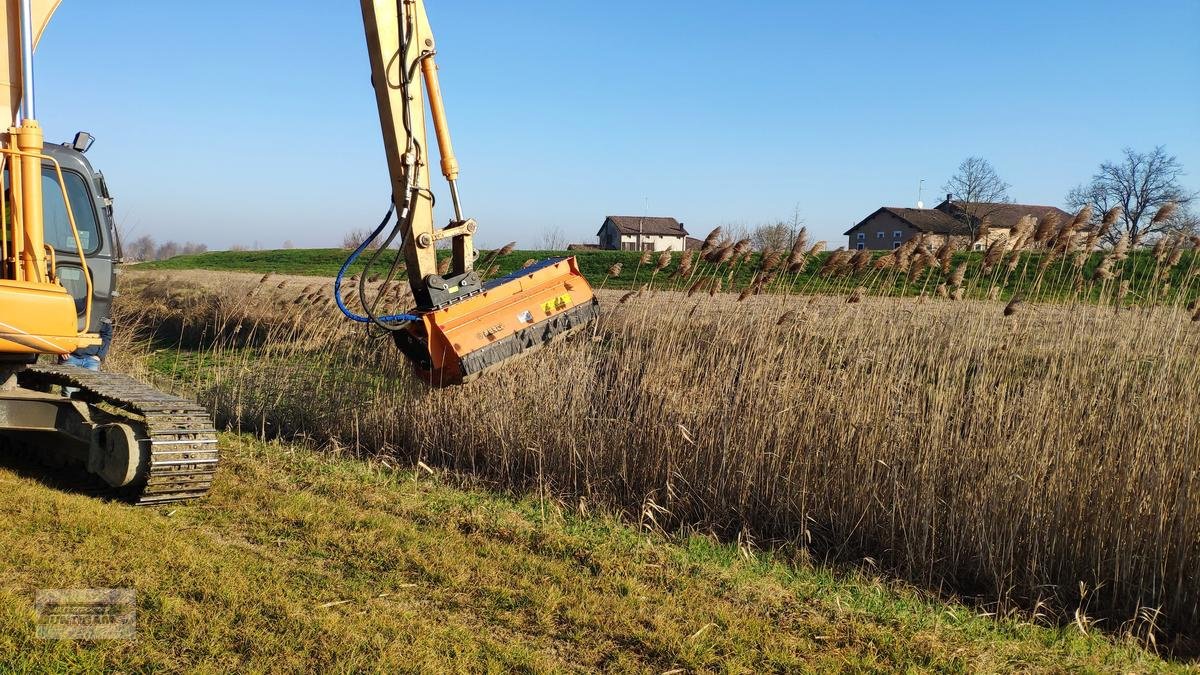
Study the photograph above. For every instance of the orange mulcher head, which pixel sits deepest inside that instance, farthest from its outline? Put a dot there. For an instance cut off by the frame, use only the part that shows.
(509, 318)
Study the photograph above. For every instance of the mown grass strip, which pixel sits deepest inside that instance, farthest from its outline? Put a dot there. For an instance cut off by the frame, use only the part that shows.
(302, 562)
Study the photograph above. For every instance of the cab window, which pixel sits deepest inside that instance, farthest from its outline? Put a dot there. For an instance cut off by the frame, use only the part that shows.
(58, 226)
(54, 212)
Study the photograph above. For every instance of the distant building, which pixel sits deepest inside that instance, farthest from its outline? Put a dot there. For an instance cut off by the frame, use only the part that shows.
(890, 226)
(642, 233)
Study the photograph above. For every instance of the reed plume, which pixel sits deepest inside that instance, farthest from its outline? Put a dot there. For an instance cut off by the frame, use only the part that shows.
(685, 264)
(771, 260)
(711, 240)
(945, 255)
(1164, 213)
(960, 273)
(1013, 304)
(798, 246)
(1121, 249)
(1047, 226)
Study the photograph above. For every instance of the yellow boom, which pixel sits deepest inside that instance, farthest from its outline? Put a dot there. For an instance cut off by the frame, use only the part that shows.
(37, 314)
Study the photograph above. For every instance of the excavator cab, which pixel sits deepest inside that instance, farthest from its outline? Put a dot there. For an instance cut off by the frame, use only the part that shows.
(86, 193)
(57, 249)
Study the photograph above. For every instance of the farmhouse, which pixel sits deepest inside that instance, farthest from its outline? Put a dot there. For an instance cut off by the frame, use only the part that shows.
(642, 233)
(890, 226)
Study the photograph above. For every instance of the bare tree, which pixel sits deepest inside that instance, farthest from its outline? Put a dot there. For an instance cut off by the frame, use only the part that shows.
(1140, 183)
(192, 248)
(1183, 223)
(354, 238)
(239, 247)
(288, 244)
(797, 221)
(553, 239)
(141, 249)
(977, 191)
(773, 236)
(735, 231)
(168, 249)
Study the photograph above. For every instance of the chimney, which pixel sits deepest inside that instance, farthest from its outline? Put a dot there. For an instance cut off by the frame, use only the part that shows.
(949, 197)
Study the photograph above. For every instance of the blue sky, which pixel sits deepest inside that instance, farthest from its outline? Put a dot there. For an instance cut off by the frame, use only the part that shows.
(254, 122)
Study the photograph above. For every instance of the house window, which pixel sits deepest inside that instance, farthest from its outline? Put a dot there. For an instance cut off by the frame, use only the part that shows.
(895, 245)
(979, 246)
(861, 246)
(896, 234)
(880, 235)
(862, 235)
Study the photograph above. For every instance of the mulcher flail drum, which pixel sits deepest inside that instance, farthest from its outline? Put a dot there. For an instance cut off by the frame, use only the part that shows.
(511, 317)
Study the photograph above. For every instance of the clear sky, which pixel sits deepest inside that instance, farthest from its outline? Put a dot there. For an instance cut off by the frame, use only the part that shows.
(254, 122)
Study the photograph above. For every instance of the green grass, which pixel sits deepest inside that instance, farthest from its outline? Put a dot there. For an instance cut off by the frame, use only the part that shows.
(302, 562)
(325, 262)
(1057, 284)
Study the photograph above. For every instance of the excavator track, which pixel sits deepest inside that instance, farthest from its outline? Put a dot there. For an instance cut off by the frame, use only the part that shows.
(183, 453)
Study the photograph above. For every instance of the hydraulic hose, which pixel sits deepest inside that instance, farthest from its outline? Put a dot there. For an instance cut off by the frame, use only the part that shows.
(337, 283)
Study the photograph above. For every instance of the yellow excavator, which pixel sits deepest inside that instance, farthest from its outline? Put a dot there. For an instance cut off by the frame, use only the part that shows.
(58, 267)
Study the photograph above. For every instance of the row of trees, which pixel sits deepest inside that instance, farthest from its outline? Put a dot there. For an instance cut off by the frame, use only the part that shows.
(145, 248)
(1141, 183)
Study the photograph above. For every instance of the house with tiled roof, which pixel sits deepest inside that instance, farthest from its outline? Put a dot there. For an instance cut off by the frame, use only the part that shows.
(971, 225)
(642, 233)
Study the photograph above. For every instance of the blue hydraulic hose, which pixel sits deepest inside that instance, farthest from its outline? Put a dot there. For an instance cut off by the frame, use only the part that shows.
(337, 283)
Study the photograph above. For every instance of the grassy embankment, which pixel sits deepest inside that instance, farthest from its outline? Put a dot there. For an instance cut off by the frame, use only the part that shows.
(1039, 462)
(303, 562)
(1056, 282)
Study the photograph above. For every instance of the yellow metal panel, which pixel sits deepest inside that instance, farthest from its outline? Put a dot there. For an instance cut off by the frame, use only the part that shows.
(29, 140)
(10, 57)
(38, 318)
(382, 24)
(502, 310)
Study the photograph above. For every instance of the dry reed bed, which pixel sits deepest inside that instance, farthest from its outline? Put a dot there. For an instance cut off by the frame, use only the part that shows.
(1045, 460)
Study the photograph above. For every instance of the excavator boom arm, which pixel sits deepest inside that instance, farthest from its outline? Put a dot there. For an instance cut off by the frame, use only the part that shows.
(401, 47)
(466, 326)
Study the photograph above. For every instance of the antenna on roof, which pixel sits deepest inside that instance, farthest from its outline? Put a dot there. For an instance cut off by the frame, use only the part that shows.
(920, 194)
